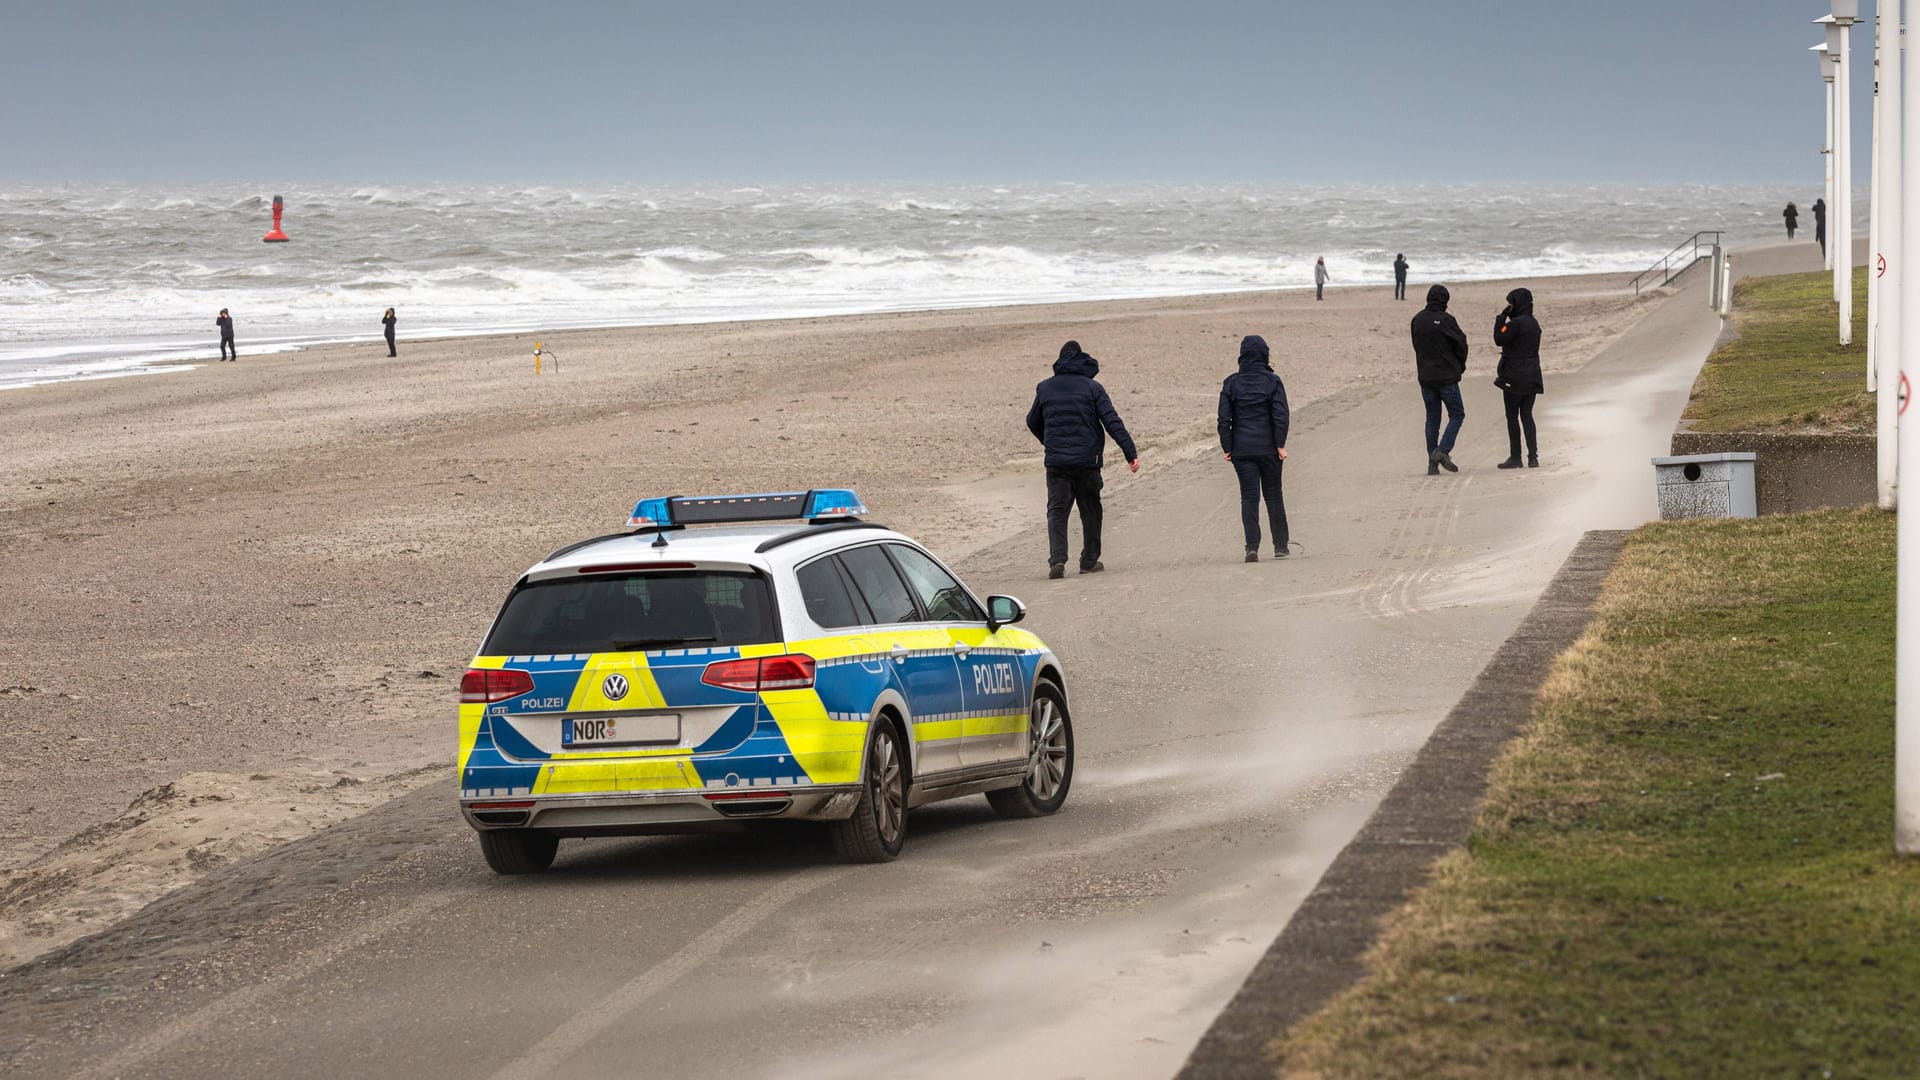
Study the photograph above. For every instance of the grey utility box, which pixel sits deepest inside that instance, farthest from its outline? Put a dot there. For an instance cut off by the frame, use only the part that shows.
(1705, 486)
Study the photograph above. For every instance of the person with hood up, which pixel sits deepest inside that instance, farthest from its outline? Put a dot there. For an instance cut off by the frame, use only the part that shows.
(1253, 435)
(387, 321)
(1820, 225)
(1320, 279)
(1440, 359)
(1517, 333)
(1399, 277)
(1792, 214)
(1072, 417)
(228, 350)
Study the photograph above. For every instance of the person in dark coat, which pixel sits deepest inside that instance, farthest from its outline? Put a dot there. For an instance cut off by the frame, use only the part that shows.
(1399, 277)
(228, 351)
(1072, 416)
(1440, 359)
(387, 321)
(1792, 214)
(1820, 225)
(1253, 435)
(1517, 333)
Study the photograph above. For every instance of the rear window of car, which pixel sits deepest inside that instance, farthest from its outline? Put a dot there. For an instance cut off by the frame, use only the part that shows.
(631, 612)
(825, 593)
(878, 582)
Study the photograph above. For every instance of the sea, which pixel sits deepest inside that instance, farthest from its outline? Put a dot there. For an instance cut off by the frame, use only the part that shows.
(104, 281)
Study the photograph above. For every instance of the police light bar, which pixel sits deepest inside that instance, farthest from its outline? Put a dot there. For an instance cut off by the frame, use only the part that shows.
(678, 511)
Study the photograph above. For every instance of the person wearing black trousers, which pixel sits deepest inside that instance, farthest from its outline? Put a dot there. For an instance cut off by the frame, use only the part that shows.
(387, 321)
(1517, 333)
(1792, 216)
(1399, 277)
(1253, 435)
(1820, 224)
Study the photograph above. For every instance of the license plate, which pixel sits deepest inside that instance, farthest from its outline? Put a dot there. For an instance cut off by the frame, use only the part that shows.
(619, 730)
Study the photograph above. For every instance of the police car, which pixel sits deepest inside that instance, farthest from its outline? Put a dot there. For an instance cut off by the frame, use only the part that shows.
(790, 662)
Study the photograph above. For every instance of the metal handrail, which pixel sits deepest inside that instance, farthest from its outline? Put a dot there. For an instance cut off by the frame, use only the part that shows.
(1672, 264)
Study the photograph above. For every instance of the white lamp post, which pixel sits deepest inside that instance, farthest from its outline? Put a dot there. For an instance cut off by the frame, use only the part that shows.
(1839, 32)
(1885, 308)
(1826, 154)
(1906, 749)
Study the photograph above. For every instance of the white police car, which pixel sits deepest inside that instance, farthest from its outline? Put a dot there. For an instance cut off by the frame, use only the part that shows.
(825, 669)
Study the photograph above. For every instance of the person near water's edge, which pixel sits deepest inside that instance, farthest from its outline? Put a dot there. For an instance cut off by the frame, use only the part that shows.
(387, 321)
(228, 351)
(1517, 333)
(1792, 215)
(1253, 435)
(1399, 277)
(1072, 417)
(1820, 225)
(1320, 279)
(1440, 359)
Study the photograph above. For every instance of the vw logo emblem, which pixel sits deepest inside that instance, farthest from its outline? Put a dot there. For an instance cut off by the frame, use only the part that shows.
(614, 687)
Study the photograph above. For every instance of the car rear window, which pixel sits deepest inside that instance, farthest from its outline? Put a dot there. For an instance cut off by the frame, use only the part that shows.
(875, 577)
(828, 602)
(630, 612)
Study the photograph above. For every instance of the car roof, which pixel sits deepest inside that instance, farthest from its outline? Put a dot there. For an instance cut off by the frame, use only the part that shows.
(728, 544)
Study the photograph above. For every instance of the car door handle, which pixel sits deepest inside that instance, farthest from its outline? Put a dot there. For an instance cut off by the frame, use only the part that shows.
(961, 649)
(899, 654)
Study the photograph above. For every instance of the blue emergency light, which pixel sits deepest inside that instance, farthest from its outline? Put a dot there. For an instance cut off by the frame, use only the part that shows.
(679, 511)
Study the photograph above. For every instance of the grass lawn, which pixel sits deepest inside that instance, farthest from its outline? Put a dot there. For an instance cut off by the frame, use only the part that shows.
(1684, 867)
(1783, 370)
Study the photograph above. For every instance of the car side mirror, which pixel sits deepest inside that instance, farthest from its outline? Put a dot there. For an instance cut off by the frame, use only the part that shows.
(1004, 611)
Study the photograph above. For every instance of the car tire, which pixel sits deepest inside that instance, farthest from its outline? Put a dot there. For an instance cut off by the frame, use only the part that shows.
(877, 829)
(1043, 787)
(518, 851)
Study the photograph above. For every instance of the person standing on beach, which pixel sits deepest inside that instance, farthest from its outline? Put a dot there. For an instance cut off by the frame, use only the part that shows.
(1792, 214)
(1320, 279)
(1440, 359)
(225, 323)
(1820, 225)
(1072, 417)
(1253, 435)
(1399, 277)
(387, 321)
(1517, 333)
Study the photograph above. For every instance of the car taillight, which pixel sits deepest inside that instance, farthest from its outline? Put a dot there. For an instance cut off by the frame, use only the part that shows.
(481, 686)
(789, 671)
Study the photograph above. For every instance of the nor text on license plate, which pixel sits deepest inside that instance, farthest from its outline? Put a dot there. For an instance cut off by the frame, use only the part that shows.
(620, 729)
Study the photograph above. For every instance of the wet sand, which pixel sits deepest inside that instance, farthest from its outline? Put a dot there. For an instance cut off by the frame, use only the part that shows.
(280, 567)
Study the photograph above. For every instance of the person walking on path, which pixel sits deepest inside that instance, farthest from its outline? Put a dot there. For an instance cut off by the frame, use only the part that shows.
(1253, 435)
(1820, 225)
(387, 321)
(1320, 279)
(1399, 277)
(1440, 359)
(228, 351)
(1792, 214)
(1072, 417)
(1517, 333)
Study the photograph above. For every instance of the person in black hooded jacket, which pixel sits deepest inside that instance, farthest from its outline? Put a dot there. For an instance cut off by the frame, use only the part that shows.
(1440, 359)
(1253, 435)
(1072, 417)
(1517, 333)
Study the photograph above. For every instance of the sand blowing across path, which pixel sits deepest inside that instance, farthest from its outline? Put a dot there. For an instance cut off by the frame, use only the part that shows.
(259, 582)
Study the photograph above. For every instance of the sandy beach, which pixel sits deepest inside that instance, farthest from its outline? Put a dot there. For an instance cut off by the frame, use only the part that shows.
(267, 576)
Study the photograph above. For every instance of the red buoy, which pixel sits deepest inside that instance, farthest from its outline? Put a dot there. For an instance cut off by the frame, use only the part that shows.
(276, 236)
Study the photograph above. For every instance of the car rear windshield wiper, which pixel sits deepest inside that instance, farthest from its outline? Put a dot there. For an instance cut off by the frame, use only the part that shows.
(655, 643)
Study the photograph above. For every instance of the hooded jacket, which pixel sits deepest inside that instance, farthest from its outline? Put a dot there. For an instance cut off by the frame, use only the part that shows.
(1439, 345)
(1253, 405)
(1517, 333)
(1070, 412)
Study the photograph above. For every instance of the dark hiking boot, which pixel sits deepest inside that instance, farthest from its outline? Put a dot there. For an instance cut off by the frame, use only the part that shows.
(1510, 463)
(1056, 571)
(1094, 567)
(1533, 461)
(1433, 468)
(1446, 461)
(1280, 552)
(1253, 554)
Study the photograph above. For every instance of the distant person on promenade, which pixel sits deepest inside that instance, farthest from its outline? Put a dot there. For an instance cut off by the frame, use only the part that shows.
(1072, 417)
(1320, 279)
(1399, 277)
(1820, 225)
(387, 321)
(1517, 333)
(1440, 359)
(1253, 435)
(225, 323)
(1792, 214)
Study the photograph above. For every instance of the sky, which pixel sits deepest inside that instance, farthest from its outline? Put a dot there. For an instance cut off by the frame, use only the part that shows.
(665, 91)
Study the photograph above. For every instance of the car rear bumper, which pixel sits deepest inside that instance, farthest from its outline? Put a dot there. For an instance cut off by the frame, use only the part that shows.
(624, 814)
